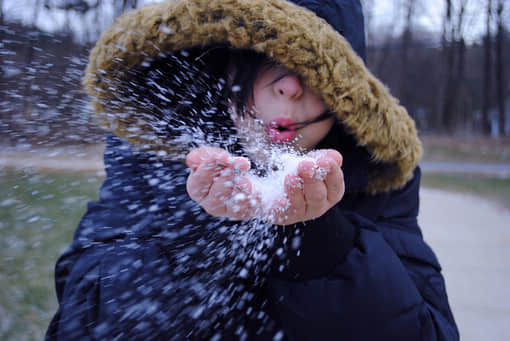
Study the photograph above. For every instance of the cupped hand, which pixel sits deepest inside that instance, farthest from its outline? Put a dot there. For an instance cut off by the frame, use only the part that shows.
(219, 183)
(317, 186)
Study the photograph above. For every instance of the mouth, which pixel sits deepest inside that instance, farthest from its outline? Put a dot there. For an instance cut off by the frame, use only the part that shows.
(281, 130)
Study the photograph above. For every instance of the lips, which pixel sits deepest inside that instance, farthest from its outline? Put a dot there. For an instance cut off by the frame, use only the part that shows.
(278, 131)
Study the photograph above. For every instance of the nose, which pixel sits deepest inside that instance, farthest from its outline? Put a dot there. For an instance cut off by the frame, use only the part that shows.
(289, 86)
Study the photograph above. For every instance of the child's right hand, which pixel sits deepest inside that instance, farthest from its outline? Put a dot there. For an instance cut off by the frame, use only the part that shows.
(218, 183)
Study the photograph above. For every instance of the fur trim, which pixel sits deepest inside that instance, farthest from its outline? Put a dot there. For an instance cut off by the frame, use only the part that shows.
(291, 35)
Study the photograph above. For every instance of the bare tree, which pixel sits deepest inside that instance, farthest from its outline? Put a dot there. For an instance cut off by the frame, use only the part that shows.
(1, 55)
(29, 57)
(368, 12)
(410, 6)
(80, 6)
(449, 52)
(487, 44)
(381, 60)
(122, 6)
(454, 48)
(499, 70)
(1, 12)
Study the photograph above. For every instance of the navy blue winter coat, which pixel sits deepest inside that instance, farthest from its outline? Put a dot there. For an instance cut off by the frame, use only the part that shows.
(363, 273)
(147, 263)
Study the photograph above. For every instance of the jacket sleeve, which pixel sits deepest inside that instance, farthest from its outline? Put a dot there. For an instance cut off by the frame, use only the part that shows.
(383, 284)
(106, 287)
(117, 280)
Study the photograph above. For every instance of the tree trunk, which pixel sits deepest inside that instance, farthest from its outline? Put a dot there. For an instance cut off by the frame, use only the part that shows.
(29, 57)
(384, 52)
(406, 42)
(368, 11)
(448, 108)
(448, 103)
(128, 4)
(487, 66)
(500, 72)
(1, 12)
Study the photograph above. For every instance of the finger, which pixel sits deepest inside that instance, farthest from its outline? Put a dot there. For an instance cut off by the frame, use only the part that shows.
(314, 190)
(335, 155)
(197, 156)
(240, 165)
(220, 192)
(334, 182)
(295, 196)
(307, 171)
(240, 206)
(200, 181)
(316, 195)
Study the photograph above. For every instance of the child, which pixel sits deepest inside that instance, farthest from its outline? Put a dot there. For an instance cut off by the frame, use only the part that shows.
(205, 252)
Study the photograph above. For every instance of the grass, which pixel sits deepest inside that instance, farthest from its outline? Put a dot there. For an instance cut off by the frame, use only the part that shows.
(38, 216)
(494, 189)
(467, 149)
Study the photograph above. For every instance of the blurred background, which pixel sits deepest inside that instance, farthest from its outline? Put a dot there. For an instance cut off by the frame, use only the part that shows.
(448, 61)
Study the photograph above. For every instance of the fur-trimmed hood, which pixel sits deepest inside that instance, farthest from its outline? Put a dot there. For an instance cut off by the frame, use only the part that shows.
(292, 35)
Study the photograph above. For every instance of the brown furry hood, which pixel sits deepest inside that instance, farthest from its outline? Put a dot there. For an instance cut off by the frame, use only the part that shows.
(290, 34)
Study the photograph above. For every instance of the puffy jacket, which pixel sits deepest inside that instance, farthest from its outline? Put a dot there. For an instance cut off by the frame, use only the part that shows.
(148, 263)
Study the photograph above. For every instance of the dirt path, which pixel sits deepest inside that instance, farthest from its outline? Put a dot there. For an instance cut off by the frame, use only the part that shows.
(471, 238)
(71, 159)
(491, 169)
(469, 235)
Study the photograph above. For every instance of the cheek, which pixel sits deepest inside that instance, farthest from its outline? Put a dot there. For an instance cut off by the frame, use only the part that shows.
(265, 104)
(316, 104)
(259, 103)
(313, 134)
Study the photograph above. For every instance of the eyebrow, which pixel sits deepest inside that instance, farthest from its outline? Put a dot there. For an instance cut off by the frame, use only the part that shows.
(277, 79)
(283, 75)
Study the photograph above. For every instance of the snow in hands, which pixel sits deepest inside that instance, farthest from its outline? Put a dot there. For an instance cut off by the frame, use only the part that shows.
(295, 187)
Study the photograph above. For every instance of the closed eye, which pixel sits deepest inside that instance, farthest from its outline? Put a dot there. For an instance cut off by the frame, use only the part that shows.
(278, 78)
(280, 73)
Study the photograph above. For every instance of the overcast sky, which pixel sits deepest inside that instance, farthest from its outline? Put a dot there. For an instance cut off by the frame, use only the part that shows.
(429, 15)
(388, 16)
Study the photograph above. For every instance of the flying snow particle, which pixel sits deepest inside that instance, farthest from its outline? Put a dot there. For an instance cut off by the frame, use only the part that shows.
(153, 182)
(197, 312)
(243, 273)
(278, 336)
(166, 30)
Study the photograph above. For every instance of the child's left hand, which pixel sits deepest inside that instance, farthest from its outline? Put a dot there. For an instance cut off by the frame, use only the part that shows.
(318, 186)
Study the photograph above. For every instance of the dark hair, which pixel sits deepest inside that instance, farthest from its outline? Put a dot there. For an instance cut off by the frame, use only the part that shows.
(196, 79)
(193, 89)
(244, 66)
(180, 93)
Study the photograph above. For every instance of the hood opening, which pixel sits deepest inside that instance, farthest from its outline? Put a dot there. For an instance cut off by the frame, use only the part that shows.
(303, 39)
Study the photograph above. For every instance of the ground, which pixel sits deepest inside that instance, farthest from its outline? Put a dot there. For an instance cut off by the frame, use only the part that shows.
(469, 234)
(470, 237)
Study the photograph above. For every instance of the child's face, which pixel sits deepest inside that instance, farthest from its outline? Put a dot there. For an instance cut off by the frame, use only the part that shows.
(280, 99)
